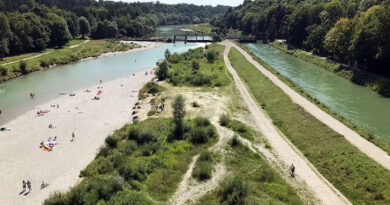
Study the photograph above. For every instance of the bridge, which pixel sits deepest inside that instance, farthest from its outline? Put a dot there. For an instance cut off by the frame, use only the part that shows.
(190, 38)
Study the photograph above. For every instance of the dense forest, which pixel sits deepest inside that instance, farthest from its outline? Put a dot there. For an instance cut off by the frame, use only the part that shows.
(354, 32)
(33, 25)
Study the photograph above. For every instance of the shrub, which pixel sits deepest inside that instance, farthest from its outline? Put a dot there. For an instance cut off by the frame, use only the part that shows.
(195, 66)
(133, 133)
(195, 104)
(201, 121)
(152, 87)
(101, 165)
(198, 135)
(234, 141)
(146, 136)
(129, 198)
(104, 151)
(206, 156)
(23, 67)
(267, 175)
(224, 120)
(43, 63)
(118, 159)
(111, 141)
(162, 70)
(56, 198)
(3, 71)
(211, 56)
(233, 190)
(152, 112)
(202, 171)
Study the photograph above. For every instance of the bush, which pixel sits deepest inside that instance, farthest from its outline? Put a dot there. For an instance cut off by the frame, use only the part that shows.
(134, 133)
(235, 141)
(195, 104)
(104, 151)
(101, 165)
(146, 136)
(267, 175)
(202, 171)
(224, 120)
(233, 190)
(206, 156)
(162, 70)
(129, 198)
(201, 121)
(56, 198)
(23, 67)
(198, 135)
(43, 63)
(111, 141)
(118, 159)
(152, 112)
(211, 56)
(152, 87)
(3, 71)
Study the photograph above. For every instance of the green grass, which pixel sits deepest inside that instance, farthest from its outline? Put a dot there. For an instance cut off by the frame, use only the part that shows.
(376, 83)
(180, 72)
(204, 28)
(252, 181)
(64, 55)
(203, 167)
(362, 132)
(357, 176)
(138, 162)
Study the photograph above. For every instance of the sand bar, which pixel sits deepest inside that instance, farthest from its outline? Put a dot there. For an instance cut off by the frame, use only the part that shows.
(91, 121)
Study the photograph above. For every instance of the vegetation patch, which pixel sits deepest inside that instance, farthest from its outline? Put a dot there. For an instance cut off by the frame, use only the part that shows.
(149, 88)
(252, 181)
(204, 166)
(197, 67)
(137, 165)
(240, 128)
(357, 176)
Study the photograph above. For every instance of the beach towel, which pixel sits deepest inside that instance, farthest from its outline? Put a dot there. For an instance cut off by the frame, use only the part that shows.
(100, 92)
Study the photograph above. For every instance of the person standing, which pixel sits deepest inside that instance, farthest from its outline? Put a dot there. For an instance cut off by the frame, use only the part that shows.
(292, 169)
(24, 185)
(72, 136)
(29, 185)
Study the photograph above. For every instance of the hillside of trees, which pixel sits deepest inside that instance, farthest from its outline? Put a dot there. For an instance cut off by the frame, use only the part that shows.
(354, 32)
(33, 25)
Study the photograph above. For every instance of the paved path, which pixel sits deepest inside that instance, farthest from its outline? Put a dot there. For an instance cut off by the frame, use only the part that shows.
(285, 151)
(362, 144)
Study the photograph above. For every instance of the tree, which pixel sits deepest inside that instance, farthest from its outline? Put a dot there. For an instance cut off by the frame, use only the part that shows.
(5, 32)
(178, 106)
(60, 34)
(85, 29)
(338, 39)
(167, 54)
(162, 70)
(195, 66)
(211, 56)
(23, 67)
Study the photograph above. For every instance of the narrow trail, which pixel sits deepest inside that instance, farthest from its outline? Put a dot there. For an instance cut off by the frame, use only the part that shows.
(371, 150)
(189, 189)
(285, 151)
(42, 54)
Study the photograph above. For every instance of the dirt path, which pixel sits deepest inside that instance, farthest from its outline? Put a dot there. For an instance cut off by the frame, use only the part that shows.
(42, 54)
(362, 144)
(285, 151)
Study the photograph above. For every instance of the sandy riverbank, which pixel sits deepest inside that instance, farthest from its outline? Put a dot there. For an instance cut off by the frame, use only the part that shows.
(91, 121)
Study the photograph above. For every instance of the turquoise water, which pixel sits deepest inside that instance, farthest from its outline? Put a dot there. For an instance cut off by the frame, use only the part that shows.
(359, 104)
(14, 94)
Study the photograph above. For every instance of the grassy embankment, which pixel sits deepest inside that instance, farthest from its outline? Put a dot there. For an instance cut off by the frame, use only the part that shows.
(65, 55)
(357, 176)
(374, 82)
(362, 132)
(138, 164)
(204, 28)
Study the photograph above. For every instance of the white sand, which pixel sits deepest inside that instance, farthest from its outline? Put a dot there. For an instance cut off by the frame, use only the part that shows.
(91, 121)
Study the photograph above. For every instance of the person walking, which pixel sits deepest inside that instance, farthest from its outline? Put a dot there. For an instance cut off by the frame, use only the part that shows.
(72, 136)
(292, 169)
(29, 185)
(24, 185)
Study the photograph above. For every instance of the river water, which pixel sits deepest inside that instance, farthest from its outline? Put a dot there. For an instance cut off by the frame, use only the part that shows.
(14, 94)
(359, 104)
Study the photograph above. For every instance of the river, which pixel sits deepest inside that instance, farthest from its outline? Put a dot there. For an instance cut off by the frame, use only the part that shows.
(359, 104)
(14, 94)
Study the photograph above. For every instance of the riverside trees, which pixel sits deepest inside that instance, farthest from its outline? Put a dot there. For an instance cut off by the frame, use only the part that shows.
(353, 32)
(33, 25)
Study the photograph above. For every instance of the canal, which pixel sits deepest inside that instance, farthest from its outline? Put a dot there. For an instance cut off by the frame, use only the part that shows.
(359, 104)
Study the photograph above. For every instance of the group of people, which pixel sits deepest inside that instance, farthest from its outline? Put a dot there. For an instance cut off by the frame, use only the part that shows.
(26, 184)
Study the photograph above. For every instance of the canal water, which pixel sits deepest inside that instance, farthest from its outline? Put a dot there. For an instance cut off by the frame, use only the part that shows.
(14, 94)
(359, 104)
